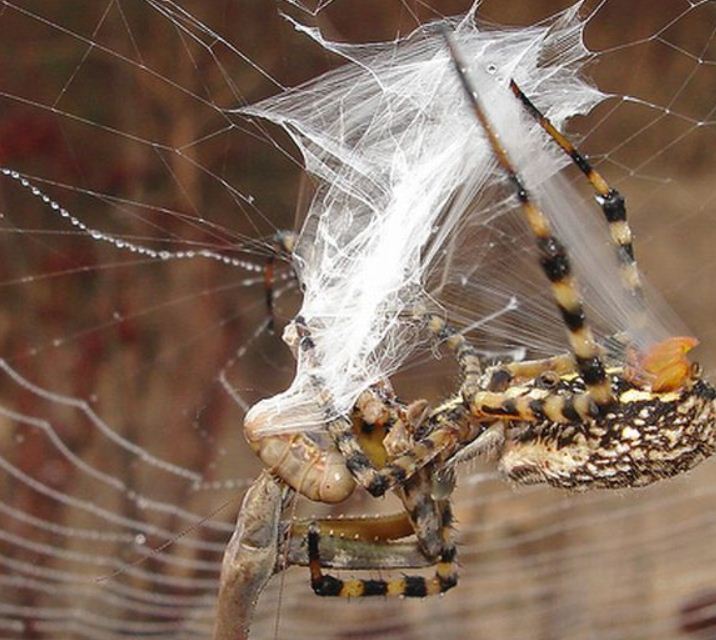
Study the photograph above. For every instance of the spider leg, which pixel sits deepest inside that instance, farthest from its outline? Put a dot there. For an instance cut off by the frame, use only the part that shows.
(368, 470)
(500, 399)
(564, 408)
(502, 376)
(445, 577)
(430, 519)
(611, 201)
(553, 258)
(360, 465)
(425, 512)
(529, 369)
(443, 431)
(467, 357)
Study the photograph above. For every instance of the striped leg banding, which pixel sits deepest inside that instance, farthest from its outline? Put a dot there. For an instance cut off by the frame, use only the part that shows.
(610, 200)
(407, 586)
(554, 257)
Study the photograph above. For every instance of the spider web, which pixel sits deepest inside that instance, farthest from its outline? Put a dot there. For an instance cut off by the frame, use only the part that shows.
(137, 286)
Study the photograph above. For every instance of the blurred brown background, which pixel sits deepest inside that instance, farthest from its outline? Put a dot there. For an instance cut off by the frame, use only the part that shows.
(119, 113)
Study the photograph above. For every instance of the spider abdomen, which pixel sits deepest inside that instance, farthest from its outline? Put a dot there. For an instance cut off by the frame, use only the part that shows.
(644, 438)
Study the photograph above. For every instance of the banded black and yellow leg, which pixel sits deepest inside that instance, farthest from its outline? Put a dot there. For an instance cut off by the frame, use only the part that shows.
(444, 431)
(612, 202)
(529, 369)
(438, 434)
(467, 357)
(341, 429)
(445, 577)
(425, 512)
(503, 376)
(498, 401)
(366, 461)
(553, 258)
(370, 465)
(563, 408)
(379, 474)
(361, 466)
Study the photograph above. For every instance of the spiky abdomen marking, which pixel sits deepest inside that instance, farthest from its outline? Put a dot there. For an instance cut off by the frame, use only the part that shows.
(647, 437)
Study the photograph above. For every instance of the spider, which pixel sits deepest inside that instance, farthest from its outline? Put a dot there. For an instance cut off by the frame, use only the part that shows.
(577, 420)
